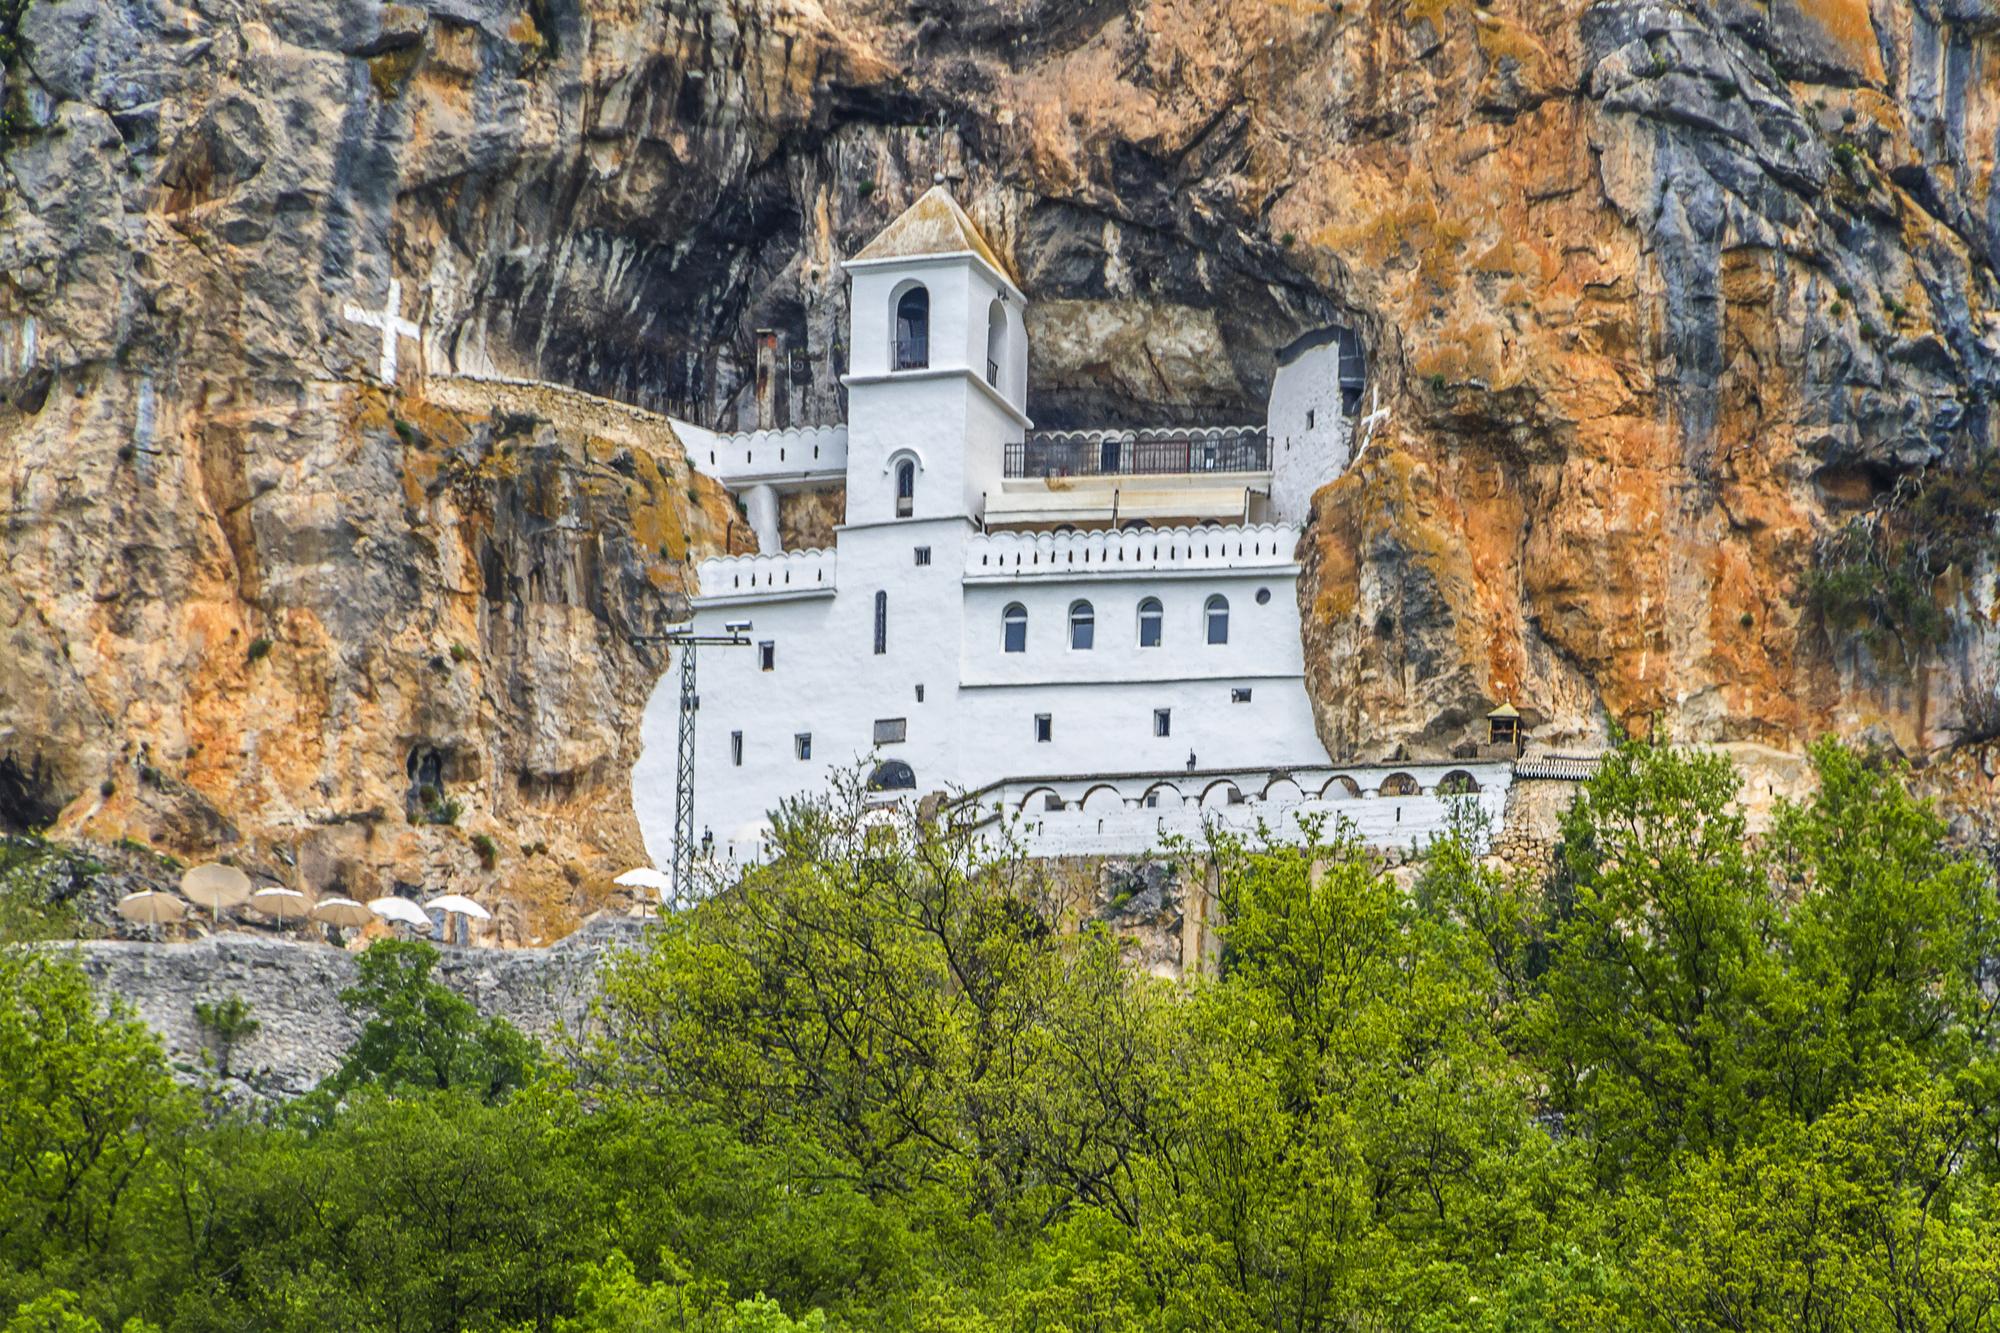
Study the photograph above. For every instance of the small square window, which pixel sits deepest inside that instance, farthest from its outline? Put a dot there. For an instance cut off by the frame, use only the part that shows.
(1163, 722)
(767, 656)
(1240, 696)
(1044, 727)
(923, 555)
(1052, 802)
(736, 748)
(891, 730)
(802, 744)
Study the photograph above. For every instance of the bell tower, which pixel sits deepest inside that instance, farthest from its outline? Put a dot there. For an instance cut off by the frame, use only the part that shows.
(937, 379)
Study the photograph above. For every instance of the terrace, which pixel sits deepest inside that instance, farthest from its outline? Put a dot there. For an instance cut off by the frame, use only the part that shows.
(1138, 453)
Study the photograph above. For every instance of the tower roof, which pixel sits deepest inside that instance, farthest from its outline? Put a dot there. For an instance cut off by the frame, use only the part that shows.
(934, 225)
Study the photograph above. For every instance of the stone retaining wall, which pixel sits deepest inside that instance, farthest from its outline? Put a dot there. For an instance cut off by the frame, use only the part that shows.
(293, 990)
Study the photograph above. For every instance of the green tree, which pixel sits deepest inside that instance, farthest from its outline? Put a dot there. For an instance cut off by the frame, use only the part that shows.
(420, 1034)
(1886, 947)
(84, 1098)
(57, 1312)
(1657, 958)
(612, 1299)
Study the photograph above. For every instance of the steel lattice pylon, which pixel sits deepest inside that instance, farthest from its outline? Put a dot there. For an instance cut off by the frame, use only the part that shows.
(684, 779)
(690, 704)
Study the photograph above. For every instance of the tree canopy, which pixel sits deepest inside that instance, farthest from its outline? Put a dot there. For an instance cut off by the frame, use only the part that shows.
(895, 1079)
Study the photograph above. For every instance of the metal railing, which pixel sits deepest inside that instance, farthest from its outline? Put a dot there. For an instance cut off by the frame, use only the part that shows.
(1155, 453)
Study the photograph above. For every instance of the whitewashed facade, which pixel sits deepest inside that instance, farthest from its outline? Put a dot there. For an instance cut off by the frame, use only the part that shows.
(1007, 613)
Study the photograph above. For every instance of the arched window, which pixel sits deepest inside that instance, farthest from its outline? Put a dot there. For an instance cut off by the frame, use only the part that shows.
(1014, 628)
(996, 342)
(906, 487)
(913, 330)
(1082, 626)
(892, 775)
(1150, 618)
(1217, 614)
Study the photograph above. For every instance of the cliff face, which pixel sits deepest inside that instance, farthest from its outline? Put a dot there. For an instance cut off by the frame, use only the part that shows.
(1683, 320)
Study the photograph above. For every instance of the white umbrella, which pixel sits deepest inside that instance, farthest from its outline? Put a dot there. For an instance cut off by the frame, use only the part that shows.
(149, 907)
(458, 902)
(215, 887)
(645, 877)
(284, 904)
(400, 909)
(342, 912)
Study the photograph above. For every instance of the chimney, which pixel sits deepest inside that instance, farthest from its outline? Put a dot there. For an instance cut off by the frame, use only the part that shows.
(767, 380)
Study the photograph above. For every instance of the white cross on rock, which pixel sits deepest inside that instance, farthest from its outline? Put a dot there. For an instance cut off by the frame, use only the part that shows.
(390, 320)
(1370, 423)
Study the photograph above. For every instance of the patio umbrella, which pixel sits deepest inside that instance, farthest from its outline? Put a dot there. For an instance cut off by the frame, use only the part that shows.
(645, 877)
(400, 909)
(150, 907)
(284, 904)
(215, 887)
(458, 902)
(344, 912)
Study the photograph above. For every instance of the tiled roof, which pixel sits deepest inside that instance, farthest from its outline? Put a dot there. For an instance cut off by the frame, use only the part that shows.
(1558, 767)
(934, 225)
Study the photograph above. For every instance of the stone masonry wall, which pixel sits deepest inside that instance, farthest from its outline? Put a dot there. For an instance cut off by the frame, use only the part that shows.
(293, 990)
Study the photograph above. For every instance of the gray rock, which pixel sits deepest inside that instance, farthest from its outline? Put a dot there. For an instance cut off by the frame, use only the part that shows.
(293, 990)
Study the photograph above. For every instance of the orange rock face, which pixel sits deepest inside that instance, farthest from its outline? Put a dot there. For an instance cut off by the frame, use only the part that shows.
(1683, 318)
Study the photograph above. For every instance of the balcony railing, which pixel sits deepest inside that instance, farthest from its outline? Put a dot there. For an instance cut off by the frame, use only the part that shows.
(1138, 453)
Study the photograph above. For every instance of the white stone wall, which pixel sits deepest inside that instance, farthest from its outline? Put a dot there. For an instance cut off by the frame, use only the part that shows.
(1109, 814)
(1310, 436)
(789, 571)
(976, 722)
(816, 453)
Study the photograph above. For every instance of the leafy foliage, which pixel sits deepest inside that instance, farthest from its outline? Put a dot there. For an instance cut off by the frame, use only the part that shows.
(1694, 1081)
(423, 1035)
(226, 1022)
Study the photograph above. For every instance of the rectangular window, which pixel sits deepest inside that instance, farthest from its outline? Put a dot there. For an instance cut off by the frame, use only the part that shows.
(1163, 722)
(1240, 695)
(802, 744)
(920, 694)
(1044, 727)
(1310, 415)
(767, 656)
(891, 730)
(923, 555)
(881, 623)
(736, 748)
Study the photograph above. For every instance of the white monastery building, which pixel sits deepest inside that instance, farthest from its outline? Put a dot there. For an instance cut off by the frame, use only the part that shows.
(1096, 632)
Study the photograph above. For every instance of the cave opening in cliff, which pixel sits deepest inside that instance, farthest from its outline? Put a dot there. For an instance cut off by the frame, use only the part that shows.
(28, 802)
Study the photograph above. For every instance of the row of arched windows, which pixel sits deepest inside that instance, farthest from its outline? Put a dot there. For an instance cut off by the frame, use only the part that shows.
(1083, 624)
